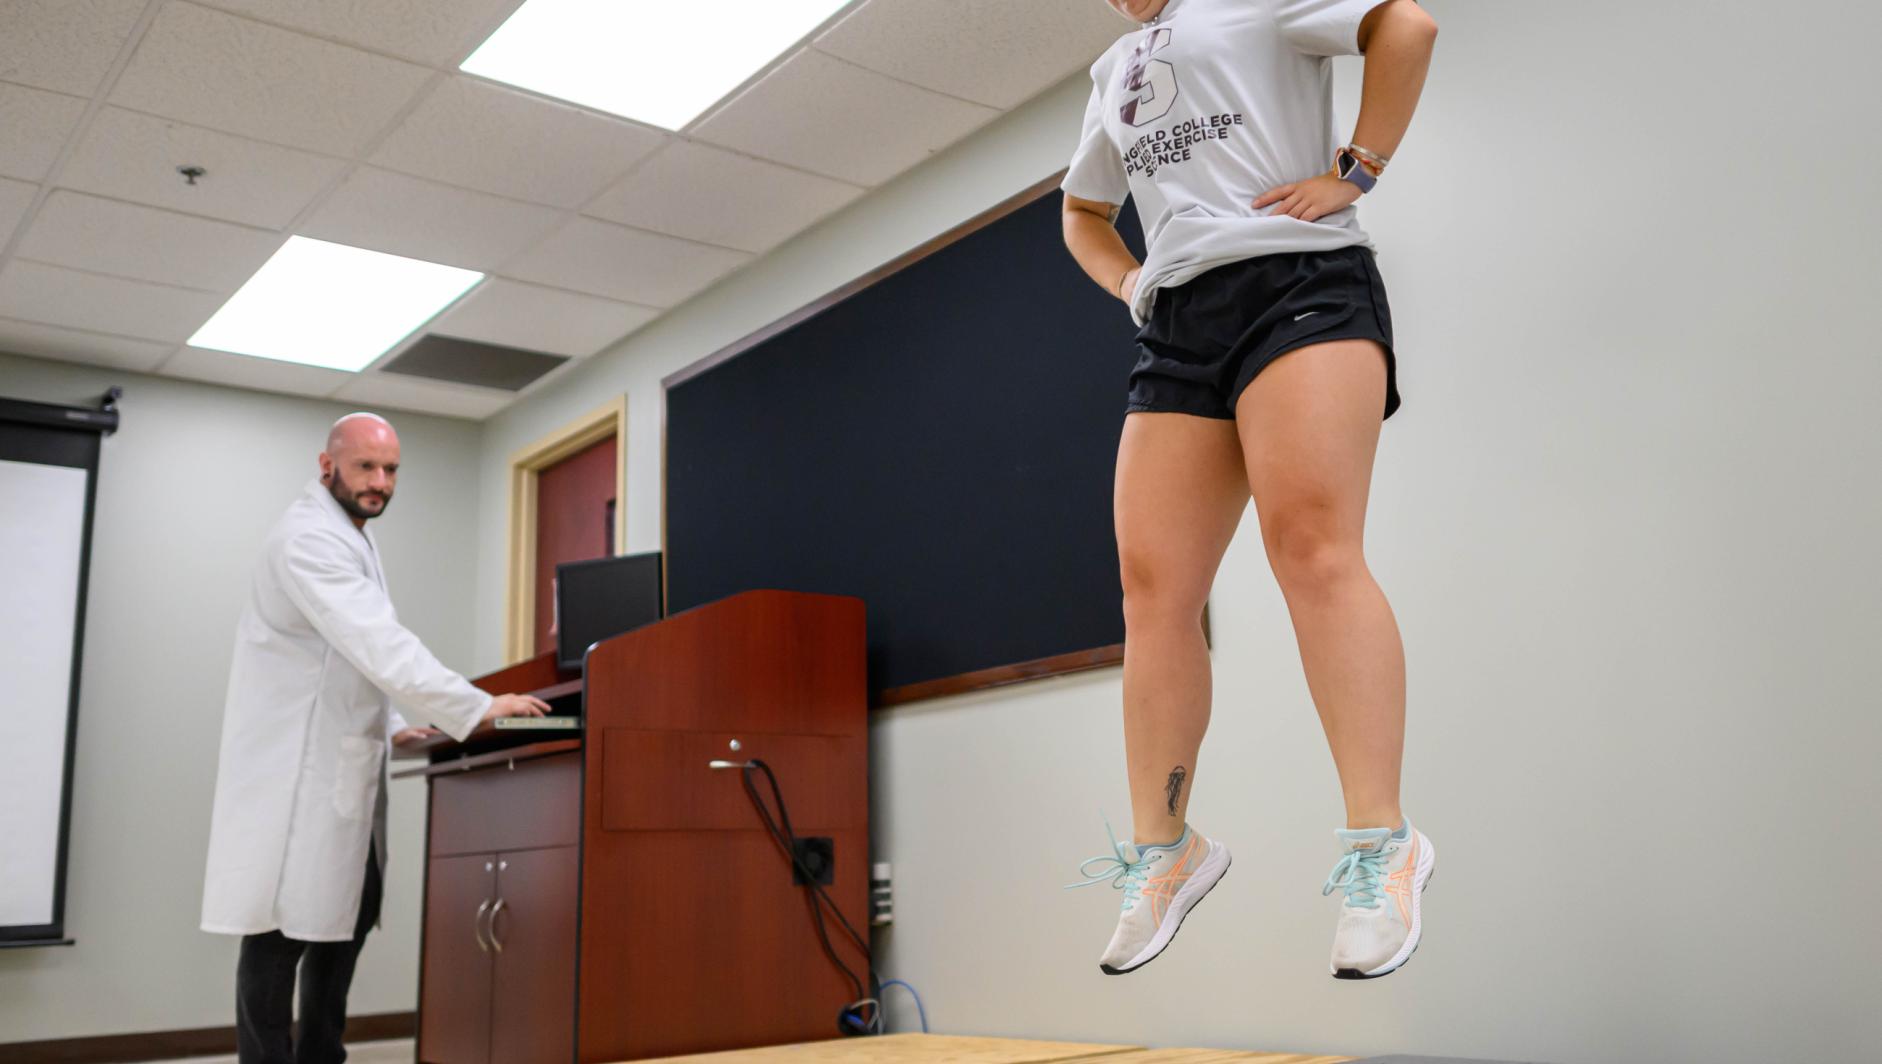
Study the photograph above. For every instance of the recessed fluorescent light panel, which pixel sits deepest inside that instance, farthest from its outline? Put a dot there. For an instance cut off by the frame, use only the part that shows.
(662, 62)
(331, 305)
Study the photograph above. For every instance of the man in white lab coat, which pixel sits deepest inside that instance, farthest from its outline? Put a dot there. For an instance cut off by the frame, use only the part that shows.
(297, 840)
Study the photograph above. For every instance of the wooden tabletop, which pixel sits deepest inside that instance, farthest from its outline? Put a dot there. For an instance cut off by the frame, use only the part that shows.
(953, 1049)
(508, 755)
(1214, 1056)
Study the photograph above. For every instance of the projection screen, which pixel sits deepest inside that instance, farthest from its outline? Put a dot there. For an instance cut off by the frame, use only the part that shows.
(48, 463)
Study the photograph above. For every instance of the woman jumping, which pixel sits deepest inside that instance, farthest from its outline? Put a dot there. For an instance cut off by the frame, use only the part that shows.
(1265, 369)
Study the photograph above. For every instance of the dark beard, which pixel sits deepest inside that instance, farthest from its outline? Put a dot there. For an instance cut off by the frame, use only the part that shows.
(349, 500)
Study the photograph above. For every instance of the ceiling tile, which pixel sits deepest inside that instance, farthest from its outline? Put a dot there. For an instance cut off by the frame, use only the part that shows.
(64, 45)
(241, 76)
(34, 125)
(53, 295)
(70, 345)
(434, 32)
(16, 198)
(107, 236)
(135, 157)
(541, 319)
(1013, 52)
(827, 116)
(426, 397)
(484, 136)
(719, 197)
(604, 259)
(262, 374)
(384, 211)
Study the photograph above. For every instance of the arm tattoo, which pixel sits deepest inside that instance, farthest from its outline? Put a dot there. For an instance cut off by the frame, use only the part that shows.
(1174, 788)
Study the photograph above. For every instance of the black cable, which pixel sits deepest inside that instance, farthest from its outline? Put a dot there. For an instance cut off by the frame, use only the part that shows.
(823, 936)
(784, 836)
(791, 851)
(817, 898)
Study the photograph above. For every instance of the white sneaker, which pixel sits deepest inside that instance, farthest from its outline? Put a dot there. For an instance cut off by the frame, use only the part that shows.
(1161, 884)
(1384, 877)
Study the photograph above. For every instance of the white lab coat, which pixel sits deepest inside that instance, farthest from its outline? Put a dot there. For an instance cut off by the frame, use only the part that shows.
(300, 788)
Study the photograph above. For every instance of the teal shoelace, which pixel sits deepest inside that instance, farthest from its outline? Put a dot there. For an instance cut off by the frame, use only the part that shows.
(1115, 868)
(1358, 873)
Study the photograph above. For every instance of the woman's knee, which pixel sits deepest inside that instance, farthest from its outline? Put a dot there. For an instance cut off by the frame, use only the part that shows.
(1158, 587)
(1311, 551)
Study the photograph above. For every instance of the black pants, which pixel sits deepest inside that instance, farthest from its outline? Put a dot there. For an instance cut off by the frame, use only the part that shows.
(264, 989)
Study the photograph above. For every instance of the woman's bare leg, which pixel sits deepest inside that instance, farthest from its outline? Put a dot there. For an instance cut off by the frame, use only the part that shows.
(1309, 427)
(1180, 493)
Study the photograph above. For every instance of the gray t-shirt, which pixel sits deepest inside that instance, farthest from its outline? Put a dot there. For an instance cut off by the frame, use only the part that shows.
(1203, 110)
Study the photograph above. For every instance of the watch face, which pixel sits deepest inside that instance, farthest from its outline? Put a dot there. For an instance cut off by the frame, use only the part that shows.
(1345, 161)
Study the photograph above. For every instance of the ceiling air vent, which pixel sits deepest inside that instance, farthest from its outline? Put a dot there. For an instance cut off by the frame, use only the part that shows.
(447, 358)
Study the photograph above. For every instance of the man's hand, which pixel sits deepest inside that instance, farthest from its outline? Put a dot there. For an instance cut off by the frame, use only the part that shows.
(516, 706)
(412, 735)
(1312, 199)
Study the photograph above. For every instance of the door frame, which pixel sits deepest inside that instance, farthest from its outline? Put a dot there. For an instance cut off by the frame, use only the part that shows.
(526, 466)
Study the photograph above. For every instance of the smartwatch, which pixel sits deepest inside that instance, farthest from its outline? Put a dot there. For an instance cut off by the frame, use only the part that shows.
(1348, 168)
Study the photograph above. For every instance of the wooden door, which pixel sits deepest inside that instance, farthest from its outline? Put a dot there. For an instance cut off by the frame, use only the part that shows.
(575, 500)
(534, 932)
(454, 1014)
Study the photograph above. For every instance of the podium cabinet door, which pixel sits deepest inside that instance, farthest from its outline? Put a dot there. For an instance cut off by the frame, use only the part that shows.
(454, 1014)
(533, 1020)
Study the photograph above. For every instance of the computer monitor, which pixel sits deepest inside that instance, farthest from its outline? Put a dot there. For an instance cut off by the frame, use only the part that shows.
(600, 599)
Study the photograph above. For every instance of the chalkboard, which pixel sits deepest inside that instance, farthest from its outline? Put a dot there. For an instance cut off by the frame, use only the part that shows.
(939, 443)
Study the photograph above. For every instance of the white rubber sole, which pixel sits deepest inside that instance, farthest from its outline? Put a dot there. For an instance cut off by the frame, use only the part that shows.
(1427, 863)
(1199, 884)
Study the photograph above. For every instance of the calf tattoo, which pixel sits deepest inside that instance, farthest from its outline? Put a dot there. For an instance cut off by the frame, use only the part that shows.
(1174, 788)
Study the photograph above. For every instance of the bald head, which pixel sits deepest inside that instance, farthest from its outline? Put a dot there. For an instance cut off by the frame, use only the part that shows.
(360, 466)
(358, 428)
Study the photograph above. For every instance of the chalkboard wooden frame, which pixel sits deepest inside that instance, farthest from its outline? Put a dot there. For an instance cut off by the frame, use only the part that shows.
(997, 676)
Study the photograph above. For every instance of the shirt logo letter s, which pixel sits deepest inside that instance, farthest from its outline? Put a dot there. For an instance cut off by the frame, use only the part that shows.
(1150, 83)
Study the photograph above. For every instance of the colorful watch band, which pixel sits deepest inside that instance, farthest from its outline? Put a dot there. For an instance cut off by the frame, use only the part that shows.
(1351, 170)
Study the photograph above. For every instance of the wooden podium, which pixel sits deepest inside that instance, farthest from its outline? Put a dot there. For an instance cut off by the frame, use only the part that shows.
(608, 896)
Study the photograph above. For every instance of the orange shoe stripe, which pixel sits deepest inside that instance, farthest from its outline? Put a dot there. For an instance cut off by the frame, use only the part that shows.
(1401, 882)
(1162, 890)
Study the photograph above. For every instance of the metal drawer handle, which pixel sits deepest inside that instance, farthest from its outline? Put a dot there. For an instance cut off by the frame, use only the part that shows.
(494, 940)
(477, 925)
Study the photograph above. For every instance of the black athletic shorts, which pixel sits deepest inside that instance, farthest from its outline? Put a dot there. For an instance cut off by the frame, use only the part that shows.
(1207, 338)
